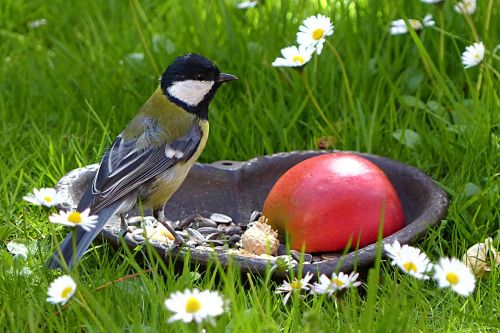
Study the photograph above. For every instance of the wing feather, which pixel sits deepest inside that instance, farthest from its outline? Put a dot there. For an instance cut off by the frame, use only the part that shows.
(125, 169)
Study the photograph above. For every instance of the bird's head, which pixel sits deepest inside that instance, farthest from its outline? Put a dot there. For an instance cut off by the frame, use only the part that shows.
(191, 82)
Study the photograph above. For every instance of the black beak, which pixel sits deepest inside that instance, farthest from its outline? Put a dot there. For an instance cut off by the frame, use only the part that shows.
(223, 77)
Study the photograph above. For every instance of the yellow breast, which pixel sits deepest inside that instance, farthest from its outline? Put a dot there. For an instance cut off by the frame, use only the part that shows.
(166, 184)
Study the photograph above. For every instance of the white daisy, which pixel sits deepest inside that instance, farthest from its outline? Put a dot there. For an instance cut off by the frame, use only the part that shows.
(432, 2)
(451, 272)
(324, 286)
(294, 57)
(47, 197)
(194, 305)
(17, 249)
(61, 290)
(398, 27)
(74, 218)
(393, 250)
(343, 281)
(410, 259)
(313, 31)
(37, 23)
(295, 286)
(336, 282)
(466, 7)
(247, 4)
(428, 21)
(473, 55)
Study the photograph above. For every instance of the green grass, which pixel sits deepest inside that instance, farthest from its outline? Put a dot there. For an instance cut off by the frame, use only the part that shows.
(69, 87)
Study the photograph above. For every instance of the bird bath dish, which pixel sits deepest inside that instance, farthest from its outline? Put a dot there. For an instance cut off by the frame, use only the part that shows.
(235, 191)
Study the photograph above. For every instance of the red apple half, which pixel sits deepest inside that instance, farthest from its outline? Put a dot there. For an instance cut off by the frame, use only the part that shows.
(327, 201)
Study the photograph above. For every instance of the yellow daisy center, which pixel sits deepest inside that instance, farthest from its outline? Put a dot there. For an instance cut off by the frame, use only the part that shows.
(66, 291)
(409, 266)
(75, 217)
(318, 34)
(415, 24)
(298, 58)
(338, 282)
(192, 304)
(47, 198)
(296, 284)
(452, 278)
(477, 56)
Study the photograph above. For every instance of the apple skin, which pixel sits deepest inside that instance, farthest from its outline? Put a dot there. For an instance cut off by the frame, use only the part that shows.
(326, 201)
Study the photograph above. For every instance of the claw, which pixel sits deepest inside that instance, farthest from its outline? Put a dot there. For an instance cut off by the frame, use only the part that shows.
(159, 215)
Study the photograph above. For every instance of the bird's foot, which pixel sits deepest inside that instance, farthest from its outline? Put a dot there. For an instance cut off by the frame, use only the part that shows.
(123, 225)
(160, 217)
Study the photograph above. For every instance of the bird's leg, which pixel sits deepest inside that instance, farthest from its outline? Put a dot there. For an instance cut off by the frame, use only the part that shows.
(123, 224)
(159, 215)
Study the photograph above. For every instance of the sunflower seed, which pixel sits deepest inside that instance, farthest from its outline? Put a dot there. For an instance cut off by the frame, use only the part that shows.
(204, 222)
(134, 220)
(138, 231)
(208, 230)
(330, 255)
(233, 240)
(191, 243)
(195, 235)
(297, 255)
(215, 242)
(255, 216)
(183, 234)
(205, 248)
(131, 228)
(139, 238)
(213, 236)
(316, 258)
(232, 230)
(221, 218)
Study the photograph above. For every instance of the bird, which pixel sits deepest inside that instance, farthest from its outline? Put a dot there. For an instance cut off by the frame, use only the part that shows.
(150, 159)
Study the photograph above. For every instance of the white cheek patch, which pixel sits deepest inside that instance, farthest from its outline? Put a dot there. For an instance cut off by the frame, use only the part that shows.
(190, 92)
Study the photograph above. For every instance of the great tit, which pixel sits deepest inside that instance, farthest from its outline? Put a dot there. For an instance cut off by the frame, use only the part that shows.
(151, 158)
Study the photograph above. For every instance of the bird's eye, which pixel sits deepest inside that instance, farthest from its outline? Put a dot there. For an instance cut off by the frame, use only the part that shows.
(201, 77)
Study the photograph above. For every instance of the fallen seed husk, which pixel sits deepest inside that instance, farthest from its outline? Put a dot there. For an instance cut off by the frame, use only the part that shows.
(221, 218)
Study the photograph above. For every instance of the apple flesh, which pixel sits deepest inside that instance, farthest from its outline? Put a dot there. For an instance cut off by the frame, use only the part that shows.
(332, 200)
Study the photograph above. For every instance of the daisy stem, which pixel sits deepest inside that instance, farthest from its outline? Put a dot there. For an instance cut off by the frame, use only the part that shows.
(316, 104)
(488, 17)
(58, 248)
(344, 75)
(472, 27)
(136, 11)
(479, 79)
(495, 72)
(441, 39)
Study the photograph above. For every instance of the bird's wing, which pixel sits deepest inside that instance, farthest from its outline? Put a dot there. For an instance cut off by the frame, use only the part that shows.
(124, 169)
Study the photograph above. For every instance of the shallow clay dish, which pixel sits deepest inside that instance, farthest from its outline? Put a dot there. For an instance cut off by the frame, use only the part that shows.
(237, 189)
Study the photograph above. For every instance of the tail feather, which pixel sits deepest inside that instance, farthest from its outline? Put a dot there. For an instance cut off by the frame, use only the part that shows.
(83, 239)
